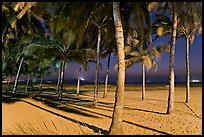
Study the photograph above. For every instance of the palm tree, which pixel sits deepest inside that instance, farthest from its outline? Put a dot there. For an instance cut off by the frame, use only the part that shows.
(26, 90)
(23, 25)
(107, 74)
(108, 44)
(83, 63)
(188, 26)
(117, 118)
(171, 61)
(137, 49)
(59, 76)
(178, 10)
(48, 48)
(101, 17)
(78, 81)
(9, 58)
(142, 53)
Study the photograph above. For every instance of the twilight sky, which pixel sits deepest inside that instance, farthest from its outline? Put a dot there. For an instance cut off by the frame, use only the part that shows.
(134, 74)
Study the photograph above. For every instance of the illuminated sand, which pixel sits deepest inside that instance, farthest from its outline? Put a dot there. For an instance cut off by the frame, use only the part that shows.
(140, 117)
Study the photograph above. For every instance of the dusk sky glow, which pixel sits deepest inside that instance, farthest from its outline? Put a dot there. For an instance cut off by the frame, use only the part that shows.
(134, 73)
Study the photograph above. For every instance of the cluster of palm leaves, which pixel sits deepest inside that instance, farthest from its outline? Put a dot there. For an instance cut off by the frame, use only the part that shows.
(36, 35)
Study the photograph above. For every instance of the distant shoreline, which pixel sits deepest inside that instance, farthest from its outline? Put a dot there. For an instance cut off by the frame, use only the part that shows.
(114, 83)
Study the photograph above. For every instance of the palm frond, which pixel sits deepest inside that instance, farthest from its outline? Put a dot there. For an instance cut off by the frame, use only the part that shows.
(147, 62)
(154, 65)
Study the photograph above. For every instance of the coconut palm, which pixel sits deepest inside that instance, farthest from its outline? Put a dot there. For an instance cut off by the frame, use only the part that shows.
(83, 63)
(9, 57)
(107, 74)
(101, 18)
(139, 41)
(166, 25)
(117, 118)
(188, 26)
(171, 60)
(142, 53)
(108, 45)
(52, 48)
(78, 81)
(22, 27)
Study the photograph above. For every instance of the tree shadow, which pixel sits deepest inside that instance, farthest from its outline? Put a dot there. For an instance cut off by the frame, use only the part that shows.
(94, 128)
(60, 106)
(156, 99)
(161, 113)
(8, 97)
(161, 132)
(48, 89)
(192, 111)
(69, 99)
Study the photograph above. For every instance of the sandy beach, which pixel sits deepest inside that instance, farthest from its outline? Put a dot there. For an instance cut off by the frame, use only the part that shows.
(74, 115)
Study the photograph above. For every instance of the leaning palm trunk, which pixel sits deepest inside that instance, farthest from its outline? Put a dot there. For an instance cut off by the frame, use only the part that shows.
(17, 76)
(95, 101)
(26, 90)
(171, 66)
(107, 74)
(78, 82)
(117, 118)
(187, 71)
(41, 80)
(143, 81)
(4, 32)
(61, 80)
(58, 81)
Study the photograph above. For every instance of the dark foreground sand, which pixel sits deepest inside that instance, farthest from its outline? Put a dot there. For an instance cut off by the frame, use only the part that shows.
(70, 116)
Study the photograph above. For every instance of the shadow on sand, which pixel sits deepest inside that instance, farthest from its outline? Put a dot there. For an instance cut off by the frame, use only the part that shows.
(94, 128)
(52, 101)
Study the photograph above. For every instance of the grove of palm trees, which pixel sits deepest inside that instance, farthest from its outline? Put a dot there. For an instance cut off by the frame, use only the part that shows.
(125, 80)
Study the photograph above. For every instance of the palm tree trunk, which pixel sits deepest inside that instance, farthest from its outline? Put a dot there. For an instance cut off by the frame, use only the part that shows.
(61, 80)
(26, 90)
(107, 74)
(171, 66)
(150, 40)
(17, 76)
(117, 118)
(95, 101)
(7, 88)
(4, 32)
(58, 81)
(187, 71)
(41, 80)
(143, 81)
(78, 82)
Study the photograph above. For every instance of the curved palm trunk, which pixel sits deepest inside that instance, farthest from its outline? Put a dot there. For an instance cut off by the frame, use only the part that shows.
(187, 71)
(58, 81)
(107, 74)
(26, 90)
(117, 118)
(171, 65)
(95, 101)
(17, 76)
(143, 81)
(78, 82)
(61, 80)
(41, 80)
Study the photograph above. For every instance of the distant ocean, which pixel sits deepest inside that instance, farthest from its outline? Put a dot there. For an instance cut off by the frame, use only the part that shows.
(74, 81)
